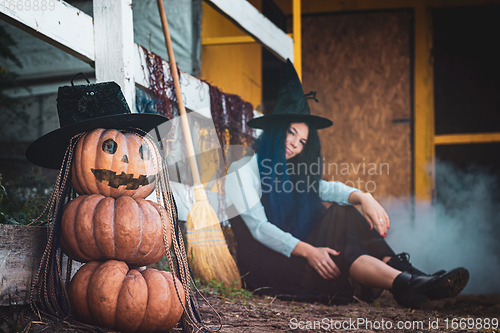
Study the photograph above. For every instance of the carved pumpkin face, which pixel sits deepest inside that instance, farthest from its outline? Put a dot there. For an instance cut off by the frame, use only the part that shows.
(113, 164)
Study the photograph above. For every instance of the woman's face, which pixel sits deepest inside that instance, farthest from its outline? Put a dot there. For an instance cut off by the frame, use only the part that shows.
(296, 139)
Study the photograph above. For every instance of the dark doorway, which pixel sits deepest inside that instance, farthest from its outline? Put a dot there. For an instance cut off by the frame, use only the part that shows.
(272, 66)
(467, 87)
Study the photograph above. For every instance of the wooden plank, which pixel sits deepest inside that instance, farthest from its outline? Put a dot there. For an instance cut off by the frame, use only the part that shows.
(451, 139)
(60, 25)
(248, 18)
(114, 45)
(21, 249)
(20, 254)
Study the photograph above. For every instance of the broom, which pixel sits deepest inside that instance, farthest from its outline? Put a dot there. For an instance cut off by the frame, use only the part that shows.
(209, 255)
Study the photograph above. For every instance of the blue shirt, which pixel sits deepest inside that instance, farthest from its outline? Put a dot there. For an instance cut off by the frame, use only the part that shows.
(243, 190)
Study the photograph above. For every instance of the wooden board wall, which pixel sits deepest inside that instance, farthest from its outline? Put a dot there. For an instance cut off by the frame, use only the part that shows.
(359, 64)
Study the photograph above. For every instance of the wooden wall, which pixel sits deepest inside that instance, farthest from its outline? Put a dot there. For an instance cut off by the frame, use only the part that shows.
(359, 63)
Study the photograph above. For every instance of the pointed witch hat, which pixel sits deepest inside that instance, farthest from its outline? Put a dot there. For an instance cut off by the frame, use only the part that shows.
(291, 104)
(84, 108)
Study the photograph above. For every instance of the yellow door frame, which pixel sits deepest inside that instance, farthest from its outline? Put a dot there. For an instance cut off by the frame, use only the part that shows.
(297, 37)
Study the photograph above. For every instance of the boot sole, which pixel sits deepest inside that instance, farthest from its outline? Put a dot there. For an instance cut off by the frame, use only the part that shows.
(450, 285)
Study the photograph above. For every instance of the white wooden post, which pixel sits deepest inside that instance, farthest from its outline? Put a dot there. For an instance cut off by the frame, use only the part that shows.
(114, 45)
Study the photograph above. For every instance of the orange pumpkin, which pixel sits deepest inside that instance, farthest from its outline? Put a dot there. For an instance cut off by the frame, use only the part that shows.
(95, 227)
(110, 295)
(111, 163)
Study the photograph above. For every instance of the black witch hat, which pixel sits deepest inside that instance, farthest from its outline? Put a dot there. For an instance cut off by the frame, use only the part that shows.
(291, 104)
(85, 108)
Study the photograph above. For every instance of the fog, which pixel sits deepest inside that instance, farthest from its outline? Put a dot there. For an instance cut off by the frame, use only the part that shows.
(460, 229)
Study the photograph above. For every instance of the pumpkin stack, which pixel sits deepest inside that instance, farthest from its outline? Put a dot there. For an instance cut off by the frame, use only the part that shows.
(114, 230)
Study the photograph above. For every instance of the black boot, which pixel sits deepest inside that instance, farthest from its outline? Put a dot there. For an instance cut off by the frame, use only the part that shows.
(451, 286)
(401, 262)
(408, 288)
(413, 290)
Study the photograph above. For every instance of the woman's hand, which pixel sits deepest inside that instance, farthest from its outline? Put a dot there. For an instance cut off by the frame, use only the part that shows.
(373, 212)
(319, 259)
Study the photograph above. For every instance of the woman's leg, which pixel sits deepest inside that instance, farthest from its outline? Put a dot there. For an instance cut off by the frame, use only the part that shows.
(409, 289)
(372, 272)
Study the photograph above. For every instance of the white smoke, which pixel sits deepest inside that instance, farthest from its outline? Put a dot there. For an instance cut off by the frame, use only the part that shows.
(462, 229)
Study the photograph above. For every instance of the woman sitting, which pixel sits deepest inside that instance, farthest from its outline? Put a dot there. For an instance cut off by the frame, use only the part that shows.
(291, 245)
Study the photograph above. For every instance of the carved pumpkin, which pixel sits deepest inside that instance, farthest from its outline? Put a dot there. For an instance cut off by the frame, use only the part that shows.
(113, 164)
(95, 227)
(109, 295)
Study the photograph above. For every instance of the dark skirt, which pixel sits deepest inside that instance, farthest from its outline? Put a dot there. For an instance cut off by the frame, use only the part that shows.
(341, 228)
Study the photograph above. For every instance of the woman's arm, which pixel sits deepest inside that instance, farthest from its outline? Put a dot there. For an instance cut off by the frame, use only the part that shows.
(374, 213)
(333, 191)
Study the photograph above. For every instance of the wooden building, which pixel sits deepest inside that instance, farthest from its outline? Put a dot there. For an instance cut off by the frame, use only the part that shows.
(403, 81)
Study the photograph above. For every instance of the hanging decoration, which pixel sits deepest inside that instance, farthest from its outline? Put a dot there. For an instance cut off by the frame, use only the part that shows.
(230, 114)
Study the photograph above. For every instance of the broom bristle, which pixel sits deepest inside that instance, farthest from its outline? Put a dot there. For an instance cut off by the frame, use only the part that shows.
(208, 253)
(214, 263)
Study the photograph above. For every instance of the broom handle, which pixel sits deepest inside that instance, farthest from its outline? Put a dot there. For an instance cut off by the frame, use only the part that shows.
(182, 110)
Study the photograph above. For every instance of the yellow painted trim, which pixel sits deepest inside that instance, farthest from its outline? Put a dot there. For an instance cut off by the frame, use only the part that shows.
(424, 167)
(227, 40)
(451, 139)
(297, 37)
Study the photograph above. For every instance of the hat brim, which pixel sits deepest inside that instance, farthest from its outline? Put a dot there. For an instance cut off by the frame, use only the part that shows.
(264, 121)
(48, 150)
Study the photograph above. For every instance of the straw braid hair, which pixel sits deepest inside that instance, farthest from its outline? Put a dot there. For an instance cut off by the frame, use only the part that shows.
(191, 318)
(48, 292)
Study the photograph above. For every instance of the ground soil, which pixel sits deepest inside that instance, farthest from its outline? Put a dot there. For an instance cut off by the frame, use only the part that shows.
(268, 314)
